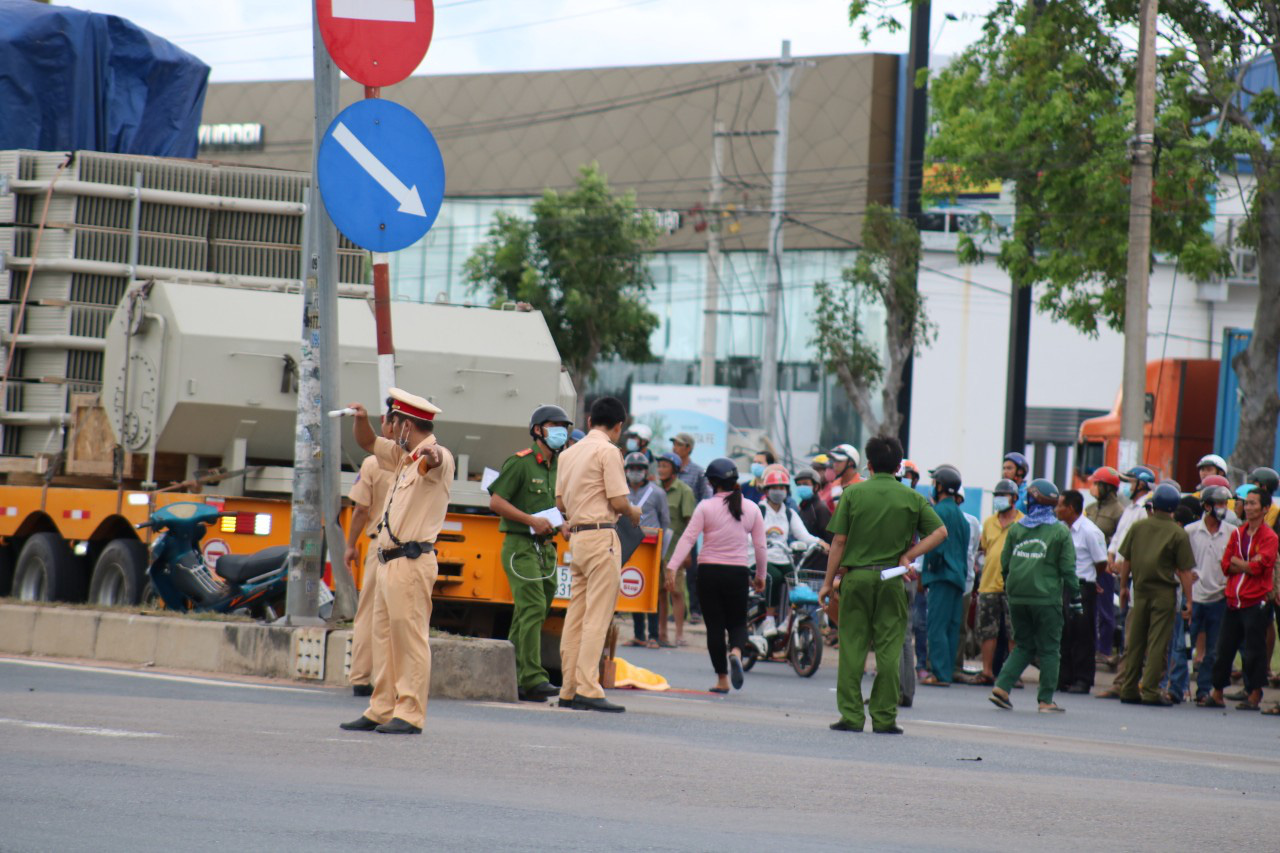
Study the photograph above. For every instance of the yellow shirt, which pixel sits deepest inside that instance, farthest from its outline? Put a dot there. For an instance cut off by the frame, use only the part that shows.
(418, 501)
(370, 491)
(992, 544)
(589, 474)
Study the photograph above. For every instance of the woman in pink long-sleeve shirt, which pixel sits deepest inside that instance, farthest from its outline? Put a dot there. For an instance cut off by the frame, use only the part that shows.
(726, 524)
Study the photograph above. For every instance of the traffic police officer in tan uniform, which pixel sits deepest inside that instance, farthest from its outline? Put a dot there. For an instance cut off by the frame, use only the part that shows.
(591, 492)
(411, 519)
(369, 495)
(527, 485)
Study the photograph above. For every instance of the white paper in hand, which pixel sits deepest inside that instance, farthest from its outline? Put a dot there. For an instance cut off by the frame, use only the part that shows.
(552, 515)
(890, 574)
(487, 478)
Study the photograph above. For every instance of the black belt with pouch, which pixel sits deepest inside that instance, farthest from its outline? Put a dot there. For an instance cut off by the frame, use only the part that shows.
(408, 550)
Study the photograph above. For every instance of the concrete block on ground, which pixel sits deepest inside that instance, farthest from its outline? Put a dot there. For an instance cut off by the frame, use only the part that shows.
(256, 650)
(64, 633)
(16, 624)
(470, 668)
(337, 658)
(127, 638)
(188, 644)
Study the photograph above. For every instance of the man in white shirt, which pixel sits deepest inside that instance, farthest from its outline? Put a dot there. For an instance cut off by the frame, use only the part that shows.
(1209, 537)
(1078, 631)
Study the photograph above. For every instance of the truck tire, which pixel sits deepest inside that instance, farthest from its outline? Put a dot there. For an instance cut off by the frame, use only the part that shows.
(48, 571)
(120, 574)
(6, 570)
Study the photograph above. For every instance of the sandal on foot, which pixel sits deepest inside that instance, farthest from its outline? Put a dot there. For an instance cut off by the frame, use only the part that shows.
(1273, 711)
(1210, 702)
(1052, 708)
(652, 644)
(718, 690)
(1001, 700)
(637, 643)
(1248, 706)
(931, 681)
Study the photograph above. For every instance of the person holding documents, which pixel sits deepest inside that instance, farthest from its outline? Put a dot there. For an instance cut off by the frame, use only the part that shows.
(874, 525)
(524, 496)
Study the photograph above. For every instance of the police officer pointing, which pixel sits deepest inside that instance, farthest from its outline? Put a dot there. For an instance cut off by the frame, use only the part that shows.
(411, 519)
(527, 485)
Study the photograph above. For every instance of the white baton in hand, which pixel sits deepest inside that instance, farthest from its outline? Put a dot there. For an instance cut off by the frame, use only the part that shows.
(338, 413)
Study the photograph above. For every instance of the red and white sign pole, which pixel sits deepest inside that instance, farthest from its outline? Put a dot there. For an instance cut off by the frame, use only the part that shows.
(382, 310)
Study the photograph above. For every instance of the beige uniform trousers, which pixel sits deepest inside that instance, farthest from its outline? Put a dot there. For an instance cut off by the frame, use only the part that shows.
(362, 629)
(596, 566)
(401, 652)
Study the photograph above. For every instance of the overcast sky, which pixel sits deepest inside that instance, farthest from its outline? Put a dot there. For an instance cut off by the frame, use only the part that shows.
(270, 39)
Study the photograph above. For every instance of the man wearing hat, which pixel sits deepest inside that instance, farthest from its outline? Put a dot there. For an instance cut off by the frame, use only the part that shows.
(527, 486)
(368, 495)
(591, 492)
(411, 519)
(844, 465)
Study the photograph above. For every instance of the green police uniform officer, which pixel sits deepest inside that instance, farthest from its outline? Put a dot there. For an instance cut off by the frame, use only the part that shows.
(525, 487)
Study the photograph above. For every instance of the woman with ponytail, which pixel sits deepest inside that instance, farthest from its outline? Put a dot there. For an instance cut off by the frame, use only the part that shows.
(726, 523)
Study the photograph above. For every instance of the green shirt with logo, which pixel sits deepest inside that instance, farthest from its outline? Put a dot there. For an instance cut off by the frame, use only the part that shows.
(881, 518)
(528, 482)
(1039, 563)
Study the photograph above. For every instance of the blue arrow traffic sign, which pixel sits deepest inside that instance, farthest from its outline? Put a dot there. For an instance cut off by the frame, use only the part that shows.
(381, 175)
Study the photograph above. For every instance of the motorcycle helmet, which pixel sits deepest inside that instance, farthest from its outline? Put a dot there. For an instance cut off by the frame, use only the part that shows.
(1043, 491)
(1215, 460)
(1265, 479)
(549, 414)
(843, 452)
(641, 431)
(1217, 495)
(1214, 480)
(776, 476)
(909, 469)
(807, 474)
(1244, 490)
(1140, 474)
(1107, 474)
(1018, 460)
(722, 473)
(636, 460)
(1165, 498)
(1006, 487)
(946, 479)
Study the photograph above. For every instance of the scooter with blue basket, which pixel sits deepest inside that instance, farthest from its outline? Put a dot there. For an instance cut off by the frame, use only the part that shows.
(799, 638)
(251, 584)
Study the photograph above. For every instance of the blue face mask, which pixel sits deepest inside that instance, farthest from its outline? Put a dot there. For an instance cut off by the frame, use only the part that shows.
(632, 445)
(804, 493)
(1001, 503)
(1126, 490)
(556, 437)
(757, 470)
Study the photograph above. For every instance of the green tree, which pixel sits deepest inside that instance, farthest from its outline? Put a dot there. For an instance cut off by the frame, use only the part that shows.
(582, 260)
(1045, 100)
(884, 275)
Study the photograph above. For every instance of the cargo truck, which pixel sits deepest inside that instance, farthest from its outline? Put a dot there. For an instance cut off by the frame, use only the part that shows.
(182, 386)
(1192, 409)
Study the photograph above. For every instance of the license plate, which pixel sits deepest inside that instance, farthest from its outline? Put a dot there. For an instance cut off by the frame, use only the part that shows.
(564, 582)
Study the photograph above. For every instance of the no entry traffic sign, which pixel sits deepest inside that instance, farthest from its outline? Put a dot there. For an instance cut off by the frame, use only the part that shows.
(376, 42)
(381, 175)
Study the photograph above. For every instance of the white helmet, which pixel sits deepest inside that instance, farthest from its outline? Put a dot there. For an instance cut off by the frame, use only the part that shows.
(641, 431)
(1215, 460)
(846, 451)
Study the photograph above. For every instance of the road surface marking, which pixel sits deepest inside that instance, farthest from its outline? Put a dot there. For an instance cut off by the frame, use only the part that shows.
(158, 676)
(955, 725)
(78, 730)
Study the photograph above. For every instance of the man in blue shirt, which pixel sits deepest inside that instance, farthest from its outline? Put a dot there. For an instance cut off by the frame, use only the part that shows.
(945, 572)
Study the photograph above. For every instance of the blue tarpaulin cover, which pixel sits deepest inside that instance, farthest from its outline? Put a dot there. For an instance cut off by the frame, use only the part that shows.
(73, 80)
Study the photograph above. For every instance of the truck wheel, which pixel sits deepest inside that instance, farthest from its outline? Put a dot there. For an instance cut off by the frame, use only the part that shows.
(120, 574)
(6, 570)
(48, 571)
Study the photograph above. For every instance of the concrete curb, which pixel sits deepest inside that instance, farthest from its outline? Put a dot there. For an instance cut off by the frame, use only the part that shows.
(462, 667)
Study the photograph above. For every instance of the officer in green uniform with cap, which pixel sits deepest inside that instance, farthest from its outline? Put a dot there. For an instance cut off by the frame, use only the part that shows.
(526, 486)
(874, 525)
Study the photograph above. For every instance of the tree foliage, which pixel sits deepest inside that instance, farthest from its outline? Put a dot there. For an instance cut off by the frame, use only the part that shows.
(582, 261)
(883, 275)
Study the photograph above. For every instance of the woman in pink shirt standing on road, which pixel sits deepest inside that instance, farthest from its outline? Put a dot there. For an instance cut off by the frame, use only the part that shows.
(726, 523)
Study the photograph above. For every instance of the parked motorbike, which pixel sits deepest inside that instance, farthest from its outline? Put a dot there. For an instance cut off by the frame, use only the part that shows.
(251, 584)
(799, 638)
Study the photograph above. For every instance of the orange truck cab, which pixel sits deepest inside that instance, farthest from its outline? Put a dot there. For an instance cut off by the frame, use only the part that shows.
(1180, 407)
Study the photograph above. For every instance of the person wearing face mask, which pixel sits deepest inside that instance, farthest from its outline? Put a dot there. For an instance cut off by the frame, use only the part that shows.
(813, 512)
(753, 492)
(1135, 486)
(909, 473)
(1015, 467)
(1209, 537)
(655, 515)
(636, 440)
(782, 526)
(680, 506)
(1105, 512)
(945, 570)
(526, 486)
(993, 603)
(843, 473)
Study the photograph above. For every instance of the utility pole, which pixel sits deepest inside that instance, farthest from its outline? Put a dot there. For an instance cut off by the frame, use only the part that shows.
(319, 277)
(781, 74)
(711, 299)
(1142, 155)
(917, 123)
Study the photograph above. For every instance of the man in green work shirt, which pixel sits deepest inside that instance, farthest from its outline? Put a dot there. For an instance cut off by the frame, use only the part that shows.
(944, 577)
(874, 525)
(1157, 554)
(527, 486)
(680, 504)
(1039, 562)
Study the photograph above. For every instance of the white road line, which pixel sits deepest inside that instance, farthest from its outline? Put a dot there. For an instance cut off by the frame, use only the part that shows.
(955, 725)
(158, 676)
(78, 730)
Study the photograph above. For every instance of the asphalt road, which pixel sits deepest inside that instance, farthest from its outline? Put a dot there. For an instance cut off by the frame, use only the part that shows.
(100, 759)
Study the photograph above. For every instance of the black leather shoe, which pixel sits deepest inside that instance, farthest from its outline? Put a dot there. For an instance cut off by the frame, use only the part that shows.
(895, 729)
(1131, 700)
(842, 725)
(546, 690)
(568, 703)
(398, 726)
(1079, 687)
(362, 690)
(529, 695)
(1159, 702)
(364, 724)
(583, 703)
